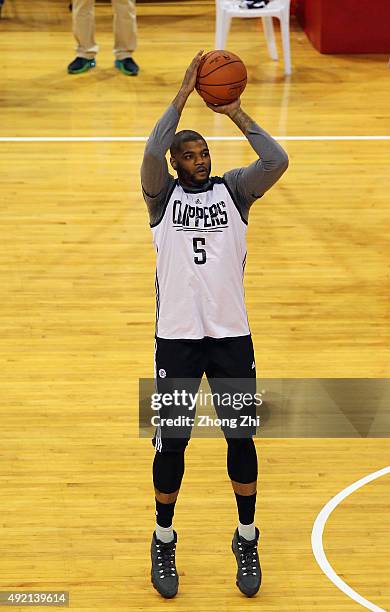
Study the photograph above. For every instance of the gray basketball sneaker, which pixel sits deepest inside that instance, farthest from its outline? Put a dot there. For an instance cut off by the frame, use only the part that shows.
(164, 574)
(248, 565)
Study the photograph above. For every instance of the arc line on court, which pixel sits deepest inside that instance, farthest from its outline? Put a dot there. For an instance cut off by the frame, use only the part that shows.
(210, 138)
(318, 530)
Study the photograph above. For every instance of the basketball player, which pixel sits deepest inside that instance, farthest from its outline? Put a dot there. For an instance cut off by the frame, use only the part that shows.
(199, 226)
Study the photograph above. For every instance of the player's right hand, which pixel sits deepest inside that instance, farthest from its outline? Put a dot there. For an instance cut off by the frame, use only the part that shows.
(188, 84)
(226, 109)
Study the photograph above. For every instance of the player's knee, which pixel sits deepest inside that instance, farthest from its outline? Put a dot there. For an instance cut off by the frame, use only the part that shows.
(168, 469)
(242, 460)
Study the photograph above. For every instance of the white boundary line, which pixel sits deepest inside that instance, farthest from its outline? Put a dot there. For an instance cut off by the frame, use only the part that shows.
(144, 138)
(318, 530)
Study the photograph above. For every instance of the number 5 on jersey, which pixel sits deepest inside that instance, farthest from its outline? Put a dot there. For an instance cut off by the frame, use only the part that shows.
(201, 258)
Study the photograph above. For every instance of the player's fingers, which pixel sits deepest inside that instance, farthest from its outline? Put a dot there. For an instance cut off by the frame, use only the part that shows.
(197, 57)
(213, 106)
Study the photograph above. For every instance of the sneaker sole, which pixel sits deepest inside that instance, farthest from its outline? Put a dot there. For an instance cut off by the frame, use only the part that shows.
(159, 592)
(120, 67)
(247, 593)
(85, 69)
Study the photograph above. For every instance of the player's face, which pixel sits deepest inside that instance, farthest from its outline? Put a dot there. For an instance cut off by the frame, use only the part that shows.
(192, 163)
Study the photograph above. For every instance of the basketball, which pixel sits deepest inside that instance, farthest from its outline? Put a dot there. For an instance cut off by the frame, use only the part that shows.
(221, 77)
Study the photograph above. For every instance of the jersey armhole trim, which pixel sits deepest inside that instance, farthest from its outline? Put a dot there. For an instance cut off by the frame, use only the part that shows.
(234, 202)
(148, 194)
(168, 197)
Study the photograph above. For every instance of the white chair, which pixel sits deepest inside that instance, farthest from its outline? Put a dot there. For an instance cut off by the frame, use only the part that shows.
(227, 9)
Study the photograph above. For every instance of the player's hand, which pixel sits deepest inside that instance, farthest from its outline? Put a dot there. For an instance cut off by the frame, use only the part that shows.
(188, 84)
(226, 109)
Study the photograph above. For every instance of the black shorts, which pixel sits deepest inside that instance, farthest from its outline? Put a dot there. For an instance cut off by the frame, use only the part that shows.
(180, 364)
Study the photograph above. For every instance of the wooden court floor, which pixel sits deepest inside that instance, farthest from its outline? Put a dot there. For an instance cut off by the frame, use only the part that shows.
(77, 315)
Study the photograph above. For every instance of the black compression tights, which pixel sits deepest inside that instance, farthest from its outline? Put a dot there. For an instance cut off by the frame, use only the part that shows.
(168, 470)
(168, 467)
(241, 460)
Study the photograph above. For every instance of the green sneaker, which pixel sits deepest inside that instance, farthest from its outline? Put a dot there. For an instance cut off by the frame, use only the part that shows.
(127, 66)
(81, 64)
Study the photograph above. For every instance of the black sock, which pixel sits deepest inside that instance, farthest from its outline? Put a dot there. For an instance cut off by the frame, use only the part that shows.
(246, 505)
(164, 513)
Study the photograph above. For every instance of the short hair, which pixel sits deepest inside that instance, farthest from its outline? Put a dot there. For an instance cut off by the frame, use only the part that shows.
(184, 136)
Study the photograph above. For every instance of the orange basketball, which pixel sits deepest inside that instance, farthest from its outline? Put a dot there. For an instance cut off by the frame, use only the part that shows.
(221, 77)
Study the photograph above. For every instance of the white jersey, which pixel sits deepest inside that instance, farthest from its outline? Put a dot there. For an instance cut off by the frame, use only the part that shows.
(201, 252)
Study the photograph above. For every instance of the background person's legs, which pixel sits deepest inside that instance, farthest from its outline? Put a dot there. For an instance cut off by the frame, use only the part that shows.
(125, 28)
(83, 18)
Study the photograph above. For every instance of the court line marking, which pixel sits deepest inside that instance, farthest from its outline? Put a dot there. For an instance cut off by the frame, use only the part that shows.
(145, 138)
(317, 545)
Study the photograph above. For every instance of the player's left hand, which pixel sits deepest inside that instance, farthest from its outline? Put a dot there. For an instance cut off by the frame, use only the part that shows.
(189, 81)
(226, 109)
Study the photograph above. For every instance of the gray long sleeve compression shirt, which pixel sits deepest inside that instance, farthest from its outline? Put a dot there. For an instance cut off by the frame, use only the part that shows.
(247, 184)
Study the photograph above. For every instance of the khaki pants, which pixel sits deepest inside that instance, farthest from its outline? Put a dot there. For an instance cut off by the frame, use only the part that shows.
(125, 28)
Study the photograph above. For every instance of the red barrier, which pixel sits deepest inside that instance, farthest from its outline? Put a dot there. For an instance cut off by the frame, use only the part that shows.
(346, 26)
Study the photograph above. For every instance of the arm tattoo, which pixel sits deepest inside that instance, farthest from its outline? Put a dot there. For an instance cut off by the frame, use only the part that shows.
(242, 120)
